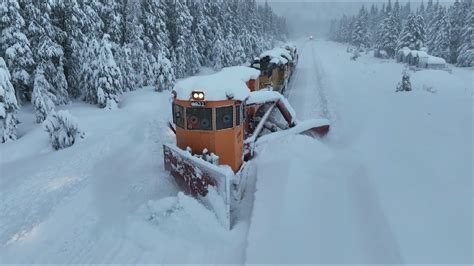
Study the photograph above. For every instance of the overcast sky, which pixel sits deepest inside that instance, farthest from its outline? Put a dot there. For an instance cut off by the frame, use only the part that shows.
(312, 16)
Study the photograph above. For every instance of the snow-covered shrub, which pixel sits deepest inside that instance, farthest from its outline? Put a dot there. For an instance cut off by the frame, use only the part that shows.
(42, 98)
(8, 105)
(405, 84)
(355, 55)
(63, 129)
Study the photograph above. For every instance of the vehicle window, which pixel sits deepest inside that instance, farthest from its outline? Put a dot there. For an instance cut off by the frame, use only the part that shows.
(238, 115)
(199, 118)
(178, 115)
(225, 117)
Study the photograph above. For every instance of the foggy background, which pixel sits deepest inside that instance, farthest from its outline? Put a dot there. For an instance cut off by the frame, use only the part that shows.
(313, 17)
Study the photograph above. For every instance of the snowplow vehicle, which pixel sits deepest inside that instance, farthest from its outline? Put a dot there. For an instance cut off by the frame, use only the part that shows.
(276, 66)
(219, 121)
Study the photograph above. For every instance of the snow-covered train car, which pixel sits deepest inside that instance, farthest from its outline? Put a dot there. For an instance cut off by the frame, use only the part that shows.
(275, 67)
(293, 50)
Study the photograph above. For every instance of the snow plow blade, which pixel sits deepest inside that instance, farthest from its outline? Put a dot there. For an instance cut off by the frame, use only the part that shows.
(315, 128)
(202, 180)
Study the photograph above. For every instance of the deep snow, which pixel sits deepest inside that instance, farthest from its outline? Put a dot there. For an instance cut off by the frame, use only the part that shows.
(391, 183)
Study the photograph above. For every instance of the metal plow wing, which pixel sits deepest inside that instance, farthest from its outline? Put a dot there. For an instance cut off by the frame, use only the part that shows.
(201, 179)
(315, 128)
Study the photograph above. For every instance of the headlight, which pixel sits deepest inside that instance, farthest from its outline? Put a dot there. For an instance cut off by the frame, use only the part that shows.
(198, 96)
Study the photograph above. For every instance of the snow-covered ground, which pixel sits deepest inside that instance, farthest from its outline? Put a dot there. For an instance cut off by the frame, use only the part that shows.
(107, 199)
(391, 184)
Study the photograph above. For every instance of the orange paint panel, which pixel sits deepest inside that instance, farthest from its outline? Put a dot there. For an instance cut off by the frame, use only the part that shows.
(227, 143)
(253, 84)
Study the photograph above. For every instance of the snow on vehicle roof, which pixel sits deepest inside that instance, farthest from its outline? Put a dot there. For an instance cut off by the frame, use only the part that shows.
(278, 56)
(229, 81)
(264, 96)
(270, 96)
(289, 45)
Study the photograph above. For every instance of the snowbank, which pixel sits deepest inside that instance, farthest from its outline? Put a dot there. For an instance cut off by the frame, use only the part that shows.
(219, 86)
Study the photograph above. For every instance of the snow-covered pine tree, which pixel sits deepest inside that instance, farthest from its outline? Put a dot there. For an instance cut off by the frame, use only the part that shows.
(63, 129)
(429, 11)
(125, 63)
(164, 71)
(45, 39)
(388, 8)
(70, 18)
(345, 29)
(360, 36)
(373, 23)
(456, 20)
(132, 27)
(458, 13)
(199, 28)
(42, 98)
(252, 40)
(155, 33)
(397, 13)
(421, 9)
(103, 76)
(15, 48)
(50, 59)
(466, 49)
(413, 34)
(405, 84)
(388, 35)
(439, 34)
(111, 12)
(406, 11)
(218, 54)
(8, 105)
(185, 56)
(192, 56)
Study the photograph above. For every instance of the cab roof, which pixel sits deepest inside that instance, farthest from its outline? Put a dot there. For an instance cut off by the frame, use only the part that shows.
(229, 82)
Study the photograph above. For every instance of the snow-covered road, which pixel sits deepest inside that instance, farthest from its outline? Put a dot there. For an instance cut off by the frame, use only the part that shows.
(391, 183)
(312, 206)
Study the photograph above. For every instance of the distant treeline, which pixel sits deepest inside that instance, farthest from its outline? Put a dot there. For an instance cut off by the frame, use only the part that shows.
(447, 32)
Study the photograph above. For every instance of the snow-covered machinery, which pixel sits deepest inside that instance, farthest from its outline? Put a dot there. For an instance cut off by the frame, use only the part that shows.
(219, 121)
(293, 50)
(276, 66)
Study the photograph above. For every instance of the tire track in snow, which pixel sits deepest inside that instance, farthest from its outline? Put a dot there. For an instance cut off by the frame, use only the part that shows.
(321, 88)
